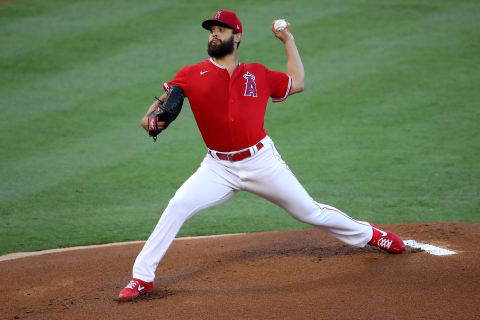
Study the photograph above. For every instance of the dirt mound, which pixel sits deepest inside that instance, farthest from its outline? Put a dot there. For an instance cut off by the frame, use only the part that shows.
(301, 274)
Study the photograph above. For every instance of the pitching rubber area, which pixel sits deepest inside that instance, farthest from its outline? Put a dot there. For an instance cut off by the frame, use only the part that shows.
(302, 274)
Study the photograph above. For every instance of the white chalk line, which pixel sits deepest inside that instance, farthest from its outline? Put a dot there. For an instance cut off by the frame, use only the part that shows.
(18, 255)
(434, 250)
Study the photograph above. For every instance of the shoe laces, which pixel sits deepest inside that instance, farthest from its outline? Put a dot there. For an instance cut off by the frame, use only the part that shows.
(132, 284)
(384, 243)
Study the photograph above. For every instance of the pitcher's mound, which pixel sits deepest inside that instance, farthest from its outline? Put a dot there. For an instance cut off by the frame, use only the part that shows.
(301, 274)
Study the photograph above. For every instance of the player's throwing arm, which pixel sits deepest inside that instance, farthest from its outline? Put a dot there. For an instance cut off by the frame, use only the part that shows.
(281, 30)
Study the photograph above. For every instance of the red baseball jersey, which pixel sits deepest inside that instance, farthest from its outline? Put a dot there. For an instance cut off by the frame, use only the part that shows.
(230, 111)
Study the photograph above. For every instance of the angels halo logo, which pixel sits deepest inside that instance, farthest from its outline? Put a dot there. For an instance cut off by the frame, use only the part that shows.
(250, 85)
(217, 15)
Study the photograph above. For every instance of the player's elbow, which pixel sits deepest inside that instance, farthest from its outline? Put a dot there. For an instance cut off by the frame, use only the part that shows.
(301, 87)
(297, 86)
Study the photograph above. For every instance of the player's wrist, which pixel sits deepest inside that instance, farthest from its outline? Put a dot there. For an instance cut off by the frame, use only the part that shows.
(288, 38)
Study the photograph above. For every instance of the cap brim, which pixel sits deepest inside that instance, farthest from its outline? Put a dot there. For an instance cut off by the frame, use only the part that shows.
(207, 24)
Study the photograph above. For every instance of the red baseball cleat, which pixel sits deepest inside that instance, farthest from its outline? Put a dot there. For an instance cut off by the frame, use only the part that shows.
(386, 240)
(134, 288)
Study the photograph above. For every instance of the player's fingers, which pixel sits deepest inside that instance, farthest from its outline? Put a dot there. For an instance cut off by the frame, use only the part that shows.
(280, 34)
(161, 124)
(273, 29)
(144, 123)
(287, 28)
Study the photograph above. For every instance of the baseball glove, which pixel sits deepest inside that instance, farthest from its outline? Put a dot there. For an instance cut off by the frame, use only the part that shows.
(166, 112)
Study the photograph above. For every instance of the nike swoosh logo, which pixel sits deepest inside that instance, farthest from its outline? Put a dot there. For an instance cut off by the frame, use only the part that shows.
(140, 288)
(203, 72)
(381, 231)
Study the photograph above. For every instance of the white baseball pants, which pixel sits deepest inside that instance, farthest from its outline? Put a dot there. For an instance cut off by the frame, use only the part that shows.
(264, 174)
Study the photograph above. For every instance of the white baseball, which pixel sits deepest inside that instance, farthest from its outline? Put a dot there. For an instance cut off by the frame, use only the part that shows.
(279, 25)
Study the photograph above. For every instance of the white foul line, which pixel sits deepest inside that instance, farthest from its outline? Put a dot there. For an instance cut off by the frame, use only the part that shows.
(436, 251)
(18, 255)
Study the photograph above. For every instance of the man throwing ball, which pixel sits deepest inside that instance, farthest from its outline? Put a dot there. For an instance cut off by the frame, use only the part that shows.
(229, 100)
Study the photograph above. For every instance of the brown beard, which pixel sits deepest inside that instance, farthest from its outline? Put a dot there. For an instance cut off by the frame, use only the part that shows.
(221, 49)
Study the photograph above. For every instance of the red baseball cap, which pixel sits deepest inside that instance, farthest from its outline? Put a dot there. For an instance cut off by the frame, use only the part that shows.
(225, 18)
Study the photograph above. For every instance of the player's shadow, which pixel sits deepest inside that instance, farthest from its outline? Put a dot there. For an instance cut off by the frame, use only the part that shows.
(168, 285)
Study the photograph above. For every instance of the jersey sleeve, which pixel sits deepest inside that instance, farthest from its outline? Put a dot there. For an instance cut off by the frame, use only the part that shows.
(280, 85)
(179, 80)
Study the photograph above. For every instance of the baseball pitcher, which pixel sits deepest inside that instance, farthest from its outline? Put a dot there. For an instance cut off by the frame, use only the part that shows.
(228, 100)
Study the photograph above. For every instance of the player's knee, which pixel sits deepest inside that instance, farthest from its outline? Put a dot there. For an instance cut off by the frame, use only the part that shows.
(307, 216)
(180, 207)
(303, 218)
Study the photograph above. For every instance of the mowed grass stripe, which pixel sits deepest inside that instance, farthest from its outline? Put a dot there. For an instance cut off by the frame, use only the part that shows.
(45, 24)
(86, 63)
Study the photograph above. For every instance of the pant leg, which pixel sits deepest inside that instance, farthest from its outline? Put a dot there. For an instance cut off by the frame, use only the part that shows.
(207, 187)
(274, 181)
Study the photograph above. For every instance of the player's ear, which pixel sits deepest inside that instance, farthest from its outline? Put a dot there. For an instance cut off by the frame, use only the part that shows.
(237, 37)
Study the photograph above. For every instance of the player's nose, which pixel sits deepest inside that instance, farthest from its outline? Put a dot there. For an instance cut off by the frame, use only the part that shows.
(214, 31)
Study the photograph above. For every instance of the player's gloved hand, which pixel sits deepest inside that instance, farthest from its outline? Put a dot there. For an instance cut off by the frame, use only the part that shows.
(160, 124)
(164, 113)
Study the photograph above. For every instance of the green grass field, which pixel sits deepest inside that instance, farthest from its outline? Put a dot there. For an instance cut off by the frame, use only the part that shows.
(387, 129)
